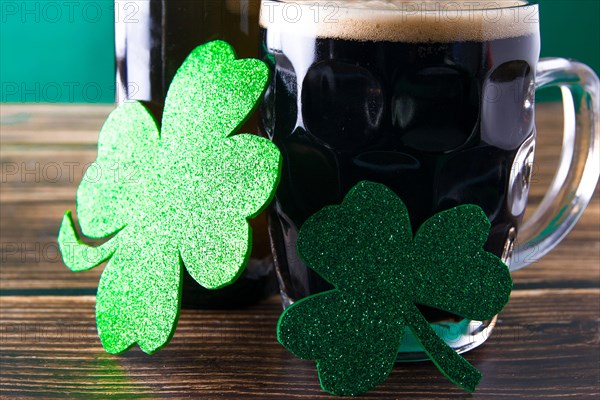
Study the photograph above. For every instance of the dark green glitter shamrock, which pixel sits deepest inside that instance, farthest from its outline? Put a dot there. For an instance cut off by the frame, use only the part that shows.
(366, 249)
(175, 197)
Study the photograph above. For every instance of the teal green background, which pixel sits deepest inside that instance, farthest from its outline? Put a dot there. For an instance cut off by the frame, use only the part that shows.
(62, 51)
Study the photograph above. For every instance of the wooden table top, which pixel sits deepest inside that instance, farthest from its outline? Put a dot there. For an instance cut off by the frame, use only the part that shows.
(546, 343)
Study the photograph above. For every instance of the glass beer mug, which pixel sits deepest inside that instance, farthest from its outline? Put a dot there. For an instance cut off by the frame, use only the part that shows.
(434, 99)
(153, 38)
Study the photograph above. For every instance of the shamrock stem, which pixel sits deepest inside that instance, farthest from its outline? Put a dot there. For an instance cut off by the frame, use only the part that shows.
(450, 363)
(77, 255)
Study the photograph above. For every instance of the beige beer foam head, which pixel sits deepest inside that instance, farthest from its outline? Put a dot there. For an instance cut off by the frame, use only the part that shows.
(402, 20)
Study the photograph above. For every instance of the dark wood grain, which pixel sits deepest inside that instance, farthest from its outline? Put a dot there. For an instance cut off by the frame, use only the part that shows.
(546, 344)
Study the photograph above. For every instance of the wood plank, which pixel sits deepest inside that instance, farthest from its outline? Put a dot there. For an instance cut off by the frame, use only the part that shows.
(545, 346)
(44, 124)
(30, 258)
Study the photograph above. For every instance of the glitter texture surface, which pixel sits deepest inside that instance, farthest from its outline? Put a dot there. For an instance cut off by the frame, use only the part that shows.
(365, 248)
(175, 197)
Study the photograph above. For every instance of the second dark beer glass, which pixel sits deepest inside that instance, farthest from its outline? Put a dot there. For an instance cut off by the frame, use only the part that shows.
(153, 38)
(434, 99)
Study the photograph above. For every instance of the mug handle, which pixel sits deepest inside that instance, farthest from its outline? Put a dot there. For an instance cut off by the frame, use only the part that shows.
(579, 166)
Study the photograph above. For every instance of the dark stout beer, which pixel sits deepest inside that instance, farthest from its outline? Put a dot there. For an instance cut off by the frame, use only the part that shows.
(438, 107)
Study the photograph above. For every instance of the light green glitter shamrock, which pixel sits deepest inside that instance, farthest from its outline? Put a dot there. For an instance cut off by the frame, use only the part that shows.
(366, 249)
(175, 197)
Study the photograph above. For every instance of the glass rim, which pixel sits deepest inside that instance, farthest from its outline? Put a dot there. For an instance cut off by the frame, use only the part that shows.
(481, 5)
